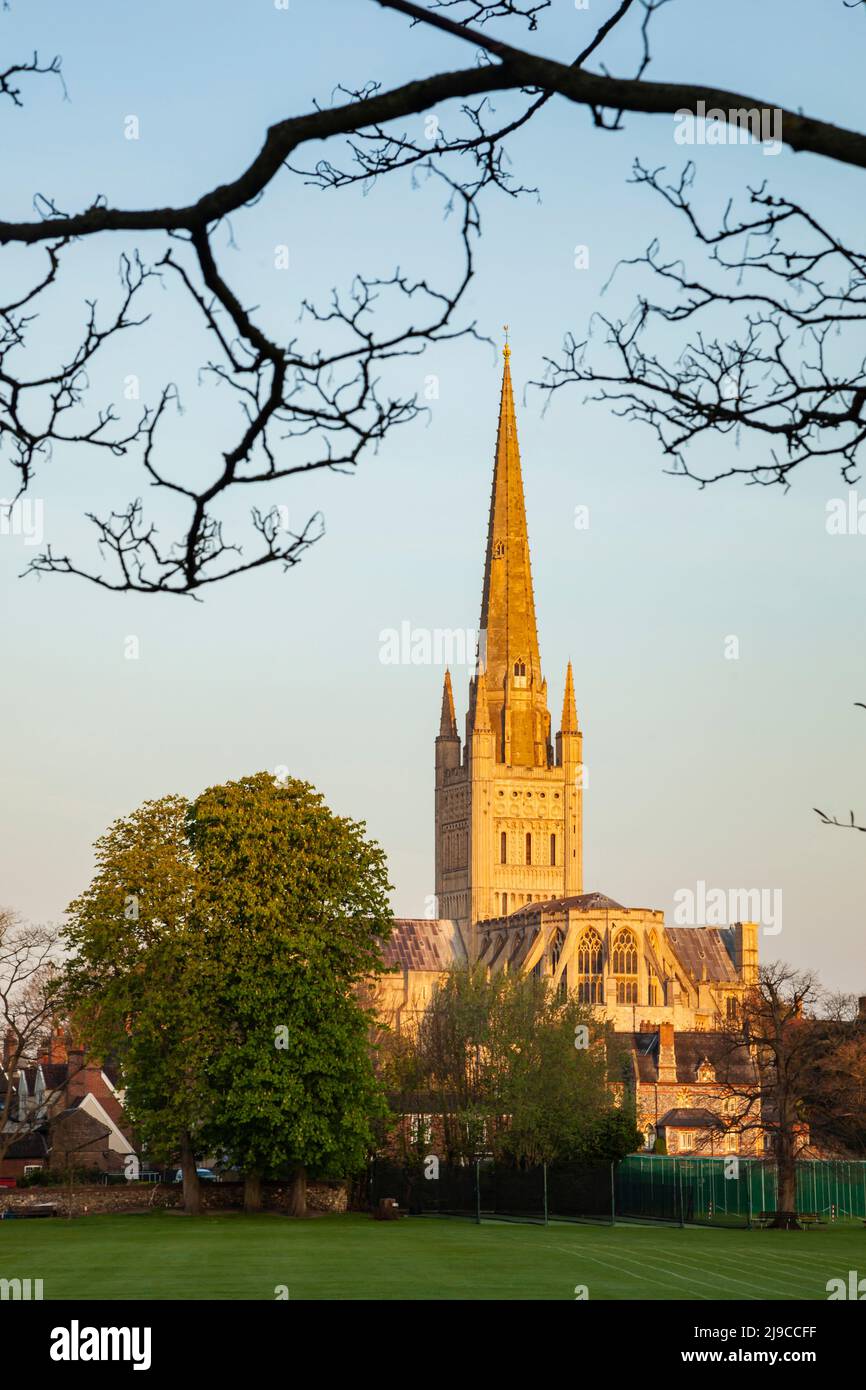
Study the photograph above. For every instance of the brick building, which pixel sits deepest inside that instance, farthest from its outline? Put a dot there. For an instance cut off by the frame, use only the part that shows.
(67, 1111)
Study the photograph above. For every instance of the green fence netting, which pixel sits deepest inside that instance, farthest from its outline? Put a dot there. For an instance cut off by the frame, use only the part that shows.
(642, 1187)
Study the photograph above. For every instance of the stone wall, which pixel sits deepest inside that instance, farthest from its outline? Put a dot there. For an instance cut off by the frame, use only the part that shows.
(89, 1199)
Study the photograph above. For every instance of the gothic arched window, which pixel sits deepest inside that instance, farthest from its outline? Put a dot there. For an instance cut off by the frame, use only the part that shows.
(625, 967)
(590, 957)
(528, 847)
(553, 849)
(503, 848)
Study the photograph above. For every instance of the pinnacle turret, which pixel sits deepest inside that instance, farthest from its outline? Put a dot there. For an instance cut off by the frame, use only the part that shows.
(569, 708)
(448, 721)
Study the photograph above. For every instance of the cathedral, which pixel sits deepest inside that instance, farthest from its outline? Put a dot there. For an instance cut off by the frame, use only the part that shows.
(509, 850)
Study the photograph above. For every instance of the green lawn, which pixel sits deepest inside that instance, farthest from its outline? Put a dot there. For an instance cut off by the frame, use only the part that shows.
(165, 1255)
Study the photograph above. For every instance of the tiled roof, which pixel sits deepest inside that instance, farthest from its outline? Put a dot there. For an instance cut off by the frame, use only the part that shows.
(700, 950)
(419, 943)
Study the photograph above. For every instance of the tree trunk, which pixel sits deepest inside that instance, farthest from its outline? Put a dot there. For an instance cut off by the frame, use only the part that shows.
(252, 1191)
(298, 1193)
(786, 1187)
(191, 1184)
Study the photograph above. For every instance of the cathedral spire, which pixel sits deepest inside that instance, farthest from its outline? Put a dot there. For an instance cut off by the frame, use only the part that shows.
(508, 624)
(448, 722)
(569, 708)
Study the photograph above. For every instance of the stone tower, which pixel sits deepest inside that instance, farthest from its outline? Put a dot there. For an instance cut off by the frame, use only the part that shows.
(508, 806)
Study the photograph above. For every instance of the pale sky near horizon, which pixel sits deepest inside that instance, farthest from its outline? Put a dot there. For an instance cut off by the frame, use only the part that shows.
(702, 769)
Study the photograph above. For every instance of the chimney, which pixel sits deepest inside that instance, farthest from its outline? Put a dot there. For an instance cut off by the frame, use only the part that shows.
(76, 1076)
(58, 1051)
(861, 1008)
(667, 1055)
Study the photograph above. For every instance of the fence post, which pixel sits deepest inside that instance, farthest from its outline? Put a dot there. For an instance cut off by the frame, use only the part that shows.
(749, 1194)
(612, 1194)
(679, 1163)
(545, 1193)
(478, 1191)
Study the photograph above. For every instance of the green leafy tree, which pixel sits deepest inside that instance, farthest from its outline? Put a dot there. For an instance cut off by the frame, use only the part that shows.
(134, 980)
(294, 903)
(513, 1068)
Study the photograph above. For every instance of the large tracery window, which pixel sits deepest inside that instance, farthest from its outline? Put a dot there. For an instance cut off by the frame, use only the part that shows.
(625, 967)
(590, 956)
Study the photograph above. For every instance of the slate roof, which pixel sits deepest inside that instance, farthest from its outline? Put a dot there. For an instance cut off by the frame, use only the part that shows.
(33, 1145)
(420, 943)
(702, 949)
(685, 1117)
(645, 1049)
(733, 1065)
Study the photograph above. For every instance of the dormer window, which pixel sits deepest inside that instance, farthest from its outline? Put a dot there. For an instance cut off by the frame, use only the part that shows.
(520, 673)
(499, 550)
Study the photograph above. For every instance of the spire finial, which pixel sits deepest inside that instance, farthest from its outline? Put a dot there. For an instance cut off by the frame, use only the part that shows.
(506, 351)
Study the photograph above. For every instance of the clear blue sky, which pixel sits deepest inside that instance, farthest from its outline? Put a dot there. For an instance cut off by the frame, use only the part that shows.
(700, 768)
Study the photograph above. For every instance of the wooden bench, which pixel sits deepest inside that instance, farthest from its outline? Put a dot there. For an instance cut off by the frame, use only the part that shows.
(803, 1219)
(810, 1218)
(770, 1218)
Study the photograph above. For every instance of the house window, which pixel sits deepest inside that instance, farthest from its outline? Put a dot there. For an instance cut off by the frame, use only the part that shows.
(528, 848)
(553, 849)
(625, 967)
(503, 848)
(32, 1168)
(590, 956)
(420, 1129)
